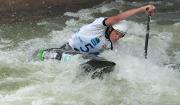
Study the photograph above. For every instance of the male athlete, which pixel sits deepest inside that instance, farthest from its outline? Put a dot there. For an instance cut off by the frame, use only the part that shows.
(93, 38)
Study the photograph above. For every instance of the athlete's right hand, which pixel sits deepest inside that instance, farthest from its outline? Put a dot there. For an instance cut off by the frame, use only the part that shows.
(150, 9)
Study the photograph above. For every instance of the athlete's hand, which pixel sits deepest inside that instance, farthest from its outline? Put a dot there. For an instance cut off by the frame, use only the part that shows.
(150, 9)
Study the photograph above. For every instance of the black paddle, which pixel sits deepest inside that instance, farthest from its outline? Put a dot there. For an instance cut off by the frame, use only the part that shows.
(147, 37)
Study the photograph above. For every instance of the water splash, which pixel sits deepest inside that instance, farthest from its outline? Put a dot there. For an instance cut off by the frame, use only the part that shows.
(135, 81)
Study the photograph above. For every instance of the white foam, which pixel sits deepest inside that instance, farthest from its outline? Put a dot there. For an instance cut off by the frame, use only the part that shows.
(177, 57)
(177, 24)
(86, 14)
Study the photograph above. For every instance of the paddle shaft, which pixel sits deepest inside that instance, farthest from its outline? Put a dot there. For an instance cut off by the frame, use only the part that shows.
(147, 37)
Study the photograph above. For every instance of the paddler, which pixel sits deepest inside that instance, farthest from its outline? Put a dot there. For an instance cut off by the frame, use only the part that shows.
(99, 35)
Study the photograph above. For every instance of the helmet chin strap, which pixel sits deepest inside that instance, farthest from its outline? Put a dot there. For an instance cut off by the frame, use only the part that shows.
(108, 31)
(107, 34)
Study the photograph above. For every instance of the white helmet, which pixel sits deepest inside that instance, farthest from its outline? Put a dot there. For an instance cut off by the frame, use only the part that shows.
(121, 27)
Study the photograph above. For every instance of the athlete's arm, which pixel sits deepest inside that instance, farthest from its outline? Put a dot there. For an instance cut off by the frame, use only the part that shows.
(124, 15)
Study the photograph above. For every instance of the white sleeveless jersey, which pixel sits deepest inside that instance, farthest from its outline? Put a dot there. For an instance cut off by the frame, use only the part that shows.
(91, 38)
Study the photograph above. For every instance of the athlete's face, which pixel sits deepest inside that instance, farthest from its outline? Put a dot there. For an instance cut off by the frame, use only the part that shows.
(115, 36)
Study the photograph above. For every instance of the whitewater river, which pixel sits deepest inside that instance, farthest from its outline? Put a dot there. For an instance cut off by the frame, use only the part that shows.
(135, 81)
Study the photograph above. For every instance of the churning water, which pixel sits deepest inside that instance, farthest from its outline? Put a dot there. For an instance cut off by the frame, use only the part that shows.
(135, 81)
